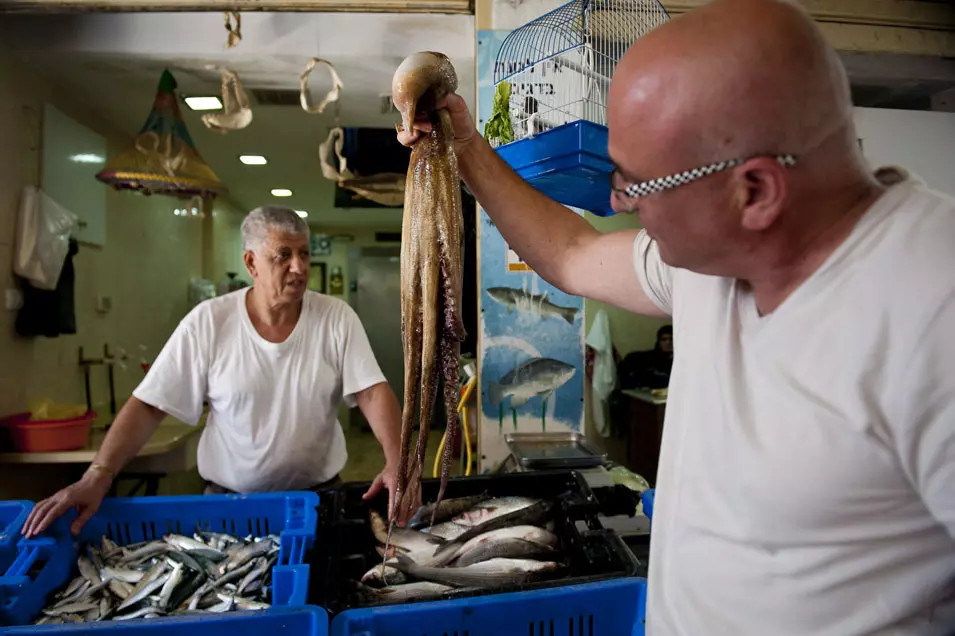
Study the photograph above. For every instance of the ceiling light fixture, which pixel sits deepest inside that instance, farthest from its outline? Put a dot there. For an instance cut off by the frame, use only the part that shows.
(87, 158)
(301, 213)
(281, 192)
(253, 160)
(203, 103)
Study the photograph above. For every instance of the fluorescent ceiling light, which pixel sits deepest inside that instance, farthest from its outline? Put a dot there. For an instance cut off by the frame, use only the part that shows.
(203, 103)
(253, 160)
(87, 158)
(301, 213)
(281, 192)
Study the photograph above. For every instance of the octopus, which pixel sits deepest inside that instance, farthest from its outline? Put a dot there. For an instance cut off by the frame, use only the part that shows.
(432, 245)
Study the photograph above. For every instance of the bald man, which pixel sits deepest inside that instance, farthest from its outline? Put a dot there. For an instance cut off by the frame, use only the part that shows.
(807, 475)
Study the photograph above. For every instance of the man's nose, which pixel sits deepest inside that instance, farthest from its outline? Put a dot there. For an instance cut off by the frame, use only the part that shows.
(300, 264)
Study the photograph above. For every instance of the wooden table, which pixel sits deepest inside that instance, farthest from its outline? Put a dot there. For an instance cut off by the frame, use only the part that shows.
(643, 413)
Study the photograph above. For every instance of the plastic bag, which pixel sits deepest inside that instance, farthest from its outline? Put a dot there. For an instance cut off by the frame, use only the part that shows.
(43, 238)
(45, 409)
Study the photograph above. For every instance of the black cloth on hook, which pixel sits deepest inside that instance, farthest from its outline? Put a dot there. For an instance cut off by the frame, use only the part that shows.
(50, 313)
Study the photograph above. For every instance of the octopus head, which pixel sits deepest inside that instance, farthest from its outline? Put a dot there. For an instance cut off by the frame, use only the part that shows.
(421, 81)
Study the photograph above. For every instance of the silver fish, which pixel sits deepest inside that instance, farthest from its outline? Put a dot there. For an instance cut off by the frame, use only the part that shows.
(537, 376)
(246, 604)
(153, 580)
(72, 608)
(407, 593)
(184, 543)
(87, 570)
(504, 548)
(525, 532)
(175, 577)
(384, 575)
(262, 565)
(491, 573)
(121, 574)
(246, 554)
(144, 612)
(404, 538)
(235, 575)
(76, 588)
(446, 509)
(534, 304)
(531, 515)
(447, 530)
(491, 509)
(147, 551)
(120, 589)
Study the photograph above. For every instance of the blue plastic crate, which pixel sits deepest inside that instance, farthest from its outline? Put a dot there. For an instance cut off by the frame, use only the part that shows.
(647, 498)
(46, 563)
(568, 163)
(12, 516)
(605, 608)
(297, 621)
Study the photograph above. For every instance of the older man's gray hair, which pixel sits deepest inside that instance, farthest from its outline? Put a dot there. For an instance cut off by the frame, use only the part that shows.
(258, 222)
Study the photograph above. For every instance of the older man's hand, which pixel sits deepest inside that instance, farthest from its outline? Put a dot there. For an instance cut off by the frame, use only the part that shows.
(388, 478)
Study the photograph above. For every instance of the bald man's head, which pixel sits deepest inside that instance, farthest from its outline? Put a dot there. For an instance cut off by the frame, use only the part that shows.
(731, 80)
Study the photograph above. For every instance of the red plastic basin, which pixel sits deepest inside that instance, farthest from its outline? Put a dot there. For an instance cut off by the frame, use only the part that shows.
(47, 436)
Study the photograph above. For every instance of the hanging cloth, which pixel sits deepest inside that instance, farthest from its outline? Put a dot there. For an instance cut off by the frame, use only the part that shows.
(605, 371)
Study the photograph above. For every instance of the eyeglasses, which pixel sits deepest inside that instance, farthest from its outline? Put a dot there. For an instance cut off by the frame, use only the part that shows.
(643, 188)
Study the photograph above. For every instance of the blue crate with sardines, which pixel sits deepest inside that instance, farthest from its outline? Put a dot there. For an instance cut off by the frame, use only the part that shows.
(165, 557)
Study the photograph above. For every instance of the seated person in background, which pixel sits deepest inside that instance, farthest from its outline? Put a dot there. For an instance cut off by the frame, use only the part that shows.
(649, 369)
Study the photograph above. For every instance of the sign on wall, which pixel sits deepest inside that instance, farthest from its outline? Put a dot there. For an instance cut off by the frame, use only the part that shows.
(532, 334)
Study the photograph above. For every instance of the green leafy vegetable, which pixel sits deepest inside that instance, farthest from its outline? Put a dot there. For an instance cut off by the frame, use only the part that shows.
(499, 124)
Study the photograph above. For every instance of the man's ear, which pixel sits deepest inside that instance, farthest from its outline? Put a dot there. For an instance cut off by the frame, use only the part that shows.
(764, 191)
(249, 259)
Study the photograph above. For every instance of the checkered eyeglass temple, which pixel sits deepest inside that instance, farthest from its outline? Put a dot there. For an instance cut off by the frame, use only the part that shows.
(653, 186)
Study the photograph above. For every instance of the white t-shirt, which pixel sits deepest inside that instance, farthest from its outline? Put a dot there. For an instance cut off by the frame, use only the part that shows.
(807, 472)
(273, 407)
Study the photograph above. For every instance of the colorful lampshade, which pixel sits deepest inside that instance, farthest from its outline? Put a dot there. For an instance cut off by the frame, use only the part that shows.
(163, 158)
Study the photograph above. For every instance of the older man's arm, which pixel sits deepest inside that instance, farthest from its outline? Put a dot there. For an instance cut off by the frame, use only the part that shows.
(380, 407)
(132, 428)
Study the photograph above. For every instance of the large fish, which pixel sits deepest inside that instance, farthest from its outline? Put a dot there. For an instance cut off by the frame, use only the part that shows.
(523, 532)
(407, 593)
(492, 508)
(405, 538)
(505, 548)
(535, 304)
(442, 511)
(537, 376)
(491, 573)
(432, 244)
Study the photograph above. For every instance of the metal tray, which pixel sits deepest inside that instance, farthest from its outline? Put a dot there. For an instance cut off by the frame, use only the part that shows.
(554, 450)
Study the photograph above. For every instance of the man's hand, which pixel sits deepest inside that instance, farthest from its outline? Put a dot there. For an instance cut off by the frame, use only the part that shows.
(85, 496)
(388, 478)
(461, 121)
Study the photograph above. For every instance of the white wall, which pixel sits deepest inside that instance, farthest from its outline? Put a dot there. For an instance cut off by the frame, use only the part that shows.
(921, 141)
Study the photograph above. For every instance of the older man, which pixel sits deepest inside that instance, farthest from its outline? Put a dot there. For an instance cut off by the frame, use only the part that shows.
(274, 362)
(807, 475)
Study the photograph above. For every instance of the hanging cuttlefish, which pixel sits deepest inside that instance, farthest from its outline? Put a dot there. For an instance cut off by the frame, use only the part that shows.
(386, 188)
(236, 113)
(432, 244)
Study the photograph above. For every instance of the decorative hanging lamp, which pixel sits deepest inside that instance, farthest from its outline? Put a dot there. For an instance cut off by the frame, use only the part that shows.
(163, 158)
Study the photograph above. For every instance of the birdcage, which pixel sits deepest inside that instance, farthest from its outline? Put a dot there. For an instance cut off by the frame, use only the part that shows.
(559, 65)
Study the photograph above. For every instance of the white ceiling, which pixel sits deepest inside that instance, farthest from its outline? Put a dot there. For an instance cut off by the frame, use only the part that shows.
(112, 62)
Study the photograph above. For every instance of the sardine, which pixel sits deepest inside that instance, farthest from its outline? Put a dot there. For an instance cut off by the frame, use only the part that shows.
(261, 566)
(153, 580)
(444, 510)
(235, 575)
(76, 592)
(491, 573)
(175, 577)
(72, 608)
(120, 574)
(184, 543)
(87, 570)
(120, 589)
(140, 613)
(246, 554)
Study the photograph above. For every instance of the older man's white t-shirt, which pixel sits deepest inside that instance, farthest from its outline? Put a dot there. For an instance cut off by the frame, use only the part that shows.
(807, 474)
(273, 407)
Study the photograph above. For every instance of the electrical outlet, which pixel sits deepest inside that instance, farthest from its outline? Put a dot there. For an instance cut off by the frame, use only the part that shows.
(13, 299)
(104, 304)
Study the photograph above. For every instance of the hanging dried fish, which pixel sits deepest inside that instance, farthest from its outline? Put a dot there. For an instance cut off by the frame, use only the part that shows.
(235, 33)
(236, 113)
(386, 188)
(432, 244)
(331, 96)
